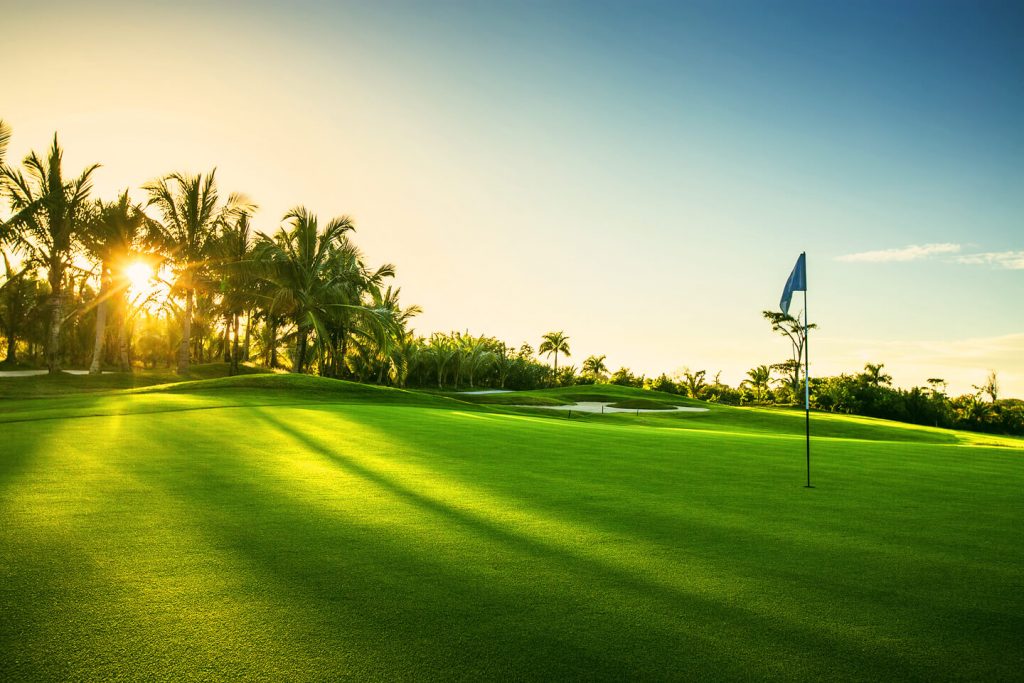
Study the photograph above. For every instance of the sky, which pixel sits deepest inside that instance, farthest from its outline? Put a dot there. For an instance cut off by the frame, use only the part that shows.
(640, 175)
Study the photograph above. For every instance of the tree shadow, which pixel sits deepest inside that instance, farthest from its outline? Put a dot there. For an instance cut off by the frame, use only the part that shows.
(610, 581)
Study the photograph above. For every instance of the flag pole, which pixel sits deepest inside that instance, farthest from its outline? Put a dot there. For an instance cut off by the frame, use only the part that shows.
(807, 379)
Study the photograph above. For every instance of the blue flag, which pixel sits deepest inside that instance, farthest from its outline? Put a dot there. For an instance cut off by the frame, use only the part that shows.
(797, 282)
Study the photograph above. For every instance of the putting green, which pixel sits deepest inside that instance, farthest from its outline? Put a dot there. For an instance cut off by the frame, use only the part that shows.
(279, 527)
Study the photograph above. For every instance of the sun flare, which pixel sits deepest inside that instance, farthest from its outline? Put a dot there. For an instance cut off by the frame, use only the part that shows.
(139, 275)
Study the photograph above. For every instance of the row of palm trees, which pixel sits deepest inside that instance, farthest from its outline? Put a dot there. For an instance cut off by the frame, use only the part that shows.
(301, 298)
(307, 283)
(305, 287)
(460, 359)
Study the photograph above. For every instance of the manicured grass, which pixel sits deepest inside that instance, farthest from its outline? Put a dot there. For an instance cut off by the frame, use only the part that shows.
(64, 383)
(293, 528)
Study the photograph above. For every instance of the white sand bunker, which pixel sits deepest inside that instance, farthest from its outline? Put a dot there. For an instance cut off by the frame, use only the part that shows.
(34, 373)
(605, 407)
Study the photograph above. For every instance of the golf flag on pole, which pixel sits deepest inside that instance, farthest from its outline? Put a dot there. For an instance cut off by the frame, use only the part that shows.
(797, 282)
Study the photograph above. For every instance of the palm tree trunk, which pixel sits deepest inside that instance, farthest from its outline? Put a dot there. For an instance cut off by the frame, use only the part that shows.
(12, 343)
(234, 347)
(344, 353)
(186, 334)
(332, 350)
(101, 323)
(53, 333)
(272, 356)
(300, 348)
(248, 335)
(225, 347)
(101, 320)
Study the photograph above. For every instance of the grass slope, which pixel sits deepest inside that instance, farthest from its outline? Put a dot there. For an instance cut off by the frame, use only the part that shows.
(729, 419)
(221, 392)
(17, 388)
(290, 527)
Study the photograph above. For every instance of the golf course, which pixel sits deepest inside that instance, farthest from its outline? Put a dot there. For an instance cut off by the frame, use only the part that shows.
(512, 341)
(290, 527)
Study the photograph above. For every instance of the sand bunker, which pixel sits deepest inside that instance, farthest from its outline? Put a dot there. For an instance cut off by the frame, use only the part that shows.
(33, 373)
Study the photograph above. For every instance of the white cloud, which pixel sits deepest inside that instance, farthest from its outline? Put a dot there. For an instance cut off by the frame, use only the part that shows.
(913, 252)
(1012, 260)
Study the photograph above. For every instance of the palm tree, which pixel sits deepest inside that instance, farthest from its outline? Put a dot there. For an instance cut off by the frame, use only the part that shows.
(49, 215)
(478, 356)
(504, 362)
(873, 375)
(972, 410)
(694, 382)
(442, 351)
(595, 367)
(189, 205)
(114, 235)
(758, 379)
(389, 337)
(5, 139)
(21, 295)
(310, 278)
(554, 342)
(374, 325)
(233, 250)
(407, 357)
(990, 387)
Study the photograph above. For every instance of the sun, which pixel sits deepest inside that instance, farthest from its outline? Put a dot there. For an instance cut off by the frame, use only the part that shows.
(139, 275)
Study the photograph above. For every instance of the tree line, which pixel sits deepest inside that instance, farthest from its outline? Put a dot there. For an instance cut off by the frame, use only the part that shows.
(302, 298)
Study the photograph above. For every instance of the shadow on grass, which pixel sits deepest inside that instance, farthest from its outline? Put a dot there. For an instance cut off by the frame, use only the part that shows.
(480, 599)
(690, 621)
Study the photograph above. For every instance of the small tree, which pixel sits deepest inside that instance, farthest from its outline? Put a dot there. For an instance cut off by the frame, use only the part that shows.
(20, 296)
(758, 379)
(115, 231)
(624, 377)
(49, 215)
(662, 383)
(191, 211)
(555, 342)
(594, 367)
(794, 331)
(694, 382)
(873, 375)
(990, 387)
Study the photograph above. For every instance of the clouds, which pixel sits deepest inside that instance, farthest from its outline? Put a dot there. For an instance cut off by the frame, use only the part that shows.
(1012, 260)
(912, 252)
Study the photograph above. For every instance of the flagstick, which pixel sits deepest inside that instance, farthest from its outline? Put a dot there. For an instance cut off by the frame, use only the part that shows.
(807, 381)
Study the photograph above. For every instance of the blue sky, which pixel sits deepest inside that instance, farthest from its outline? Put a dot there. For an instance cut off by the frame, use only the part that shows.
(640, 175)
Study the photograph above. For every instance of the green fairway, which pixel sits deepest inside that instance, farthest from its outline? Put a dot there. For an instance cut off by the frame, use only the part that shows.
(281, 527)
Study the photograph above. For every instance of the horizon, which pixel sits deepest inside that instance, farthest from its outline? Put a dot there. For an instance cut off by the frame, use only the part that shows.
(593, 169)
